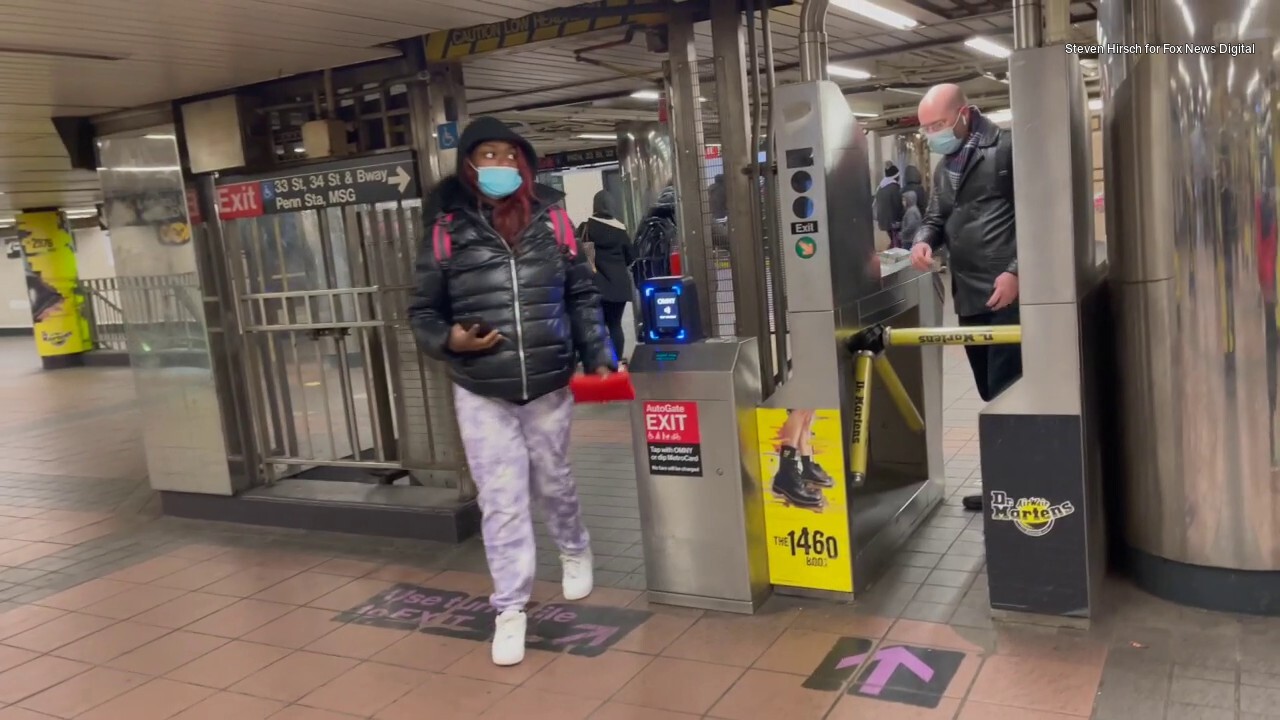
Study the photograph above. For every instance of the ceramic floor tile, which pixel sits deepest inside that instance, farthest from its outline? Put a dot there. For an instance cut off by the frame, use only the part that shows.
(36, 676)
(797, 651)
(240, 618)
(528, 704)
(764, 695)
(1059, 686)
(294, 676)
(727, 641)
(297, 629)
(357, 641)
(151, 570)
(655, 634)
(446, 697)
(347, 568)
(21, 619)
(351, 595)
(974, 710)
(83, 692)
(167, 653)
(622, 711)
(599, 678)
(231, 706)
(16, 713)
(679, 685)
(303, 588)
(184, 610)
(157, 700)
(478, 664)
(365, 689)
(425, 652)
(301, 712)
(229, 664)
(250, 582)
(61, 631)
(853, 707)
(85, 594)
(111, 642)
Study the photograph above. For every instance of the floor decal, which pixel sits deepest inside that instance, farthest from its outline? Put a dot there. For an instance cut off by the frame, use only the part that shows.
(833, 672)
(905, 674)
(562, 627)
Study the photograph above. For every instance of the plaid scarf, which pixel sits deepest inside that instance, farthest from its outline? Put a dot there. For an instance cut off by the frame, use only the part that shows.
(979, 131)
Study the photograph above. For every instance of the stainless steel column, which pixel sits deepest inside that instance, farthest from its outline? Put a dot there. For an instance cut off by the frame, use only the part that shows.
(746, 254)
(429, 429)
(1191, 150)
(683, 93)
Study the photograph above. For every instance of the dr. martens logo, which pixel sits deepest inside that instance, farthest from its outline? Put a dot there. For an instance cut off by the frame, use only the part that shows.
(1033, 516)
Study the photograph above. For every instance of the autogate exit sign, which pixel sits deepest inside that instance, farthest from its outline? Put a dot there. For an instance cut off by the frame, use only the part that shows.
(674, 438)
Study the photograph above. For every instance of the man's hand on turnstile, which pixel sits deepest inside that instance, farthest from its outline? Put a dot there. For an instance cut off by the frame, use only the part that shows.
(922, 257)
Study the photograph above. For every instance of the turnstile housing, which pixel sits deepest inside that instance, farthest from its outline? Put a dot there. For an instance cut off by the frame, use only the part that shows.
(693, 427)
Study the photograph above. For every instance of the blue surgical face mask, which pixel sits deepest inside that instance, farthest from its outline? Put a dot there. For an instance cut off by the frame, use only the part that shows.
(945, 142)
(498, 182)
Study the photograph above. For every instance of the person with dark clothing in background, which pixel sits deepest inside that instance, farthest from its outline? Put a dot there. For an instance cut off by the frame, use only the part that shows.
(971, 213)
(718, 198)
(889, 205)
(503, 297)
(913, 181)
(613, 258)
(911, 218)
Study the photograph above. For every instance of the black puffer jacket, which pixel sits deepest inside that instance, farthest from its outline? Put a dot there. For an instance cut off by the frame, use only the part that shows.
(543, 302)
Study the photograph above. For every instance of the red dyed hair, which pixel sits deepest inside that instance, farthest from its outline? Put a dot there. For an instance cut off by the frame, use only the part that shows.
(513, 213)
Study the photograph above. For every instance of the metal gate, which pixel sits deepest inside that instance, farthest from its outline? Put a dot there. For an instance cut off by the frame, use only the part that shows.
(335, 378)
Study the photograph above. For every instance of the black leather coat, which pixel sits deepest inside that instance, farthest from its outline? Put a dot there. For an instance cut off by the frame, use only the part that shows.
(543, 302)
(976, 223)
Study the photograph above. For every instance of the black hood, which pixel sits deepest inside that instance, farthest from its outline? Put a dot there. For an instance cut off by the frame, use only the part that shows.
(912, 175)
(602, 205)
(486, 128)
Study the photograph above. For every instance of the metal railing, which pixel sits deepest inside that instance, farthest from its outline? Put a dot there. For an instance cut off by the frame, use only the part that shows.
(163, 311)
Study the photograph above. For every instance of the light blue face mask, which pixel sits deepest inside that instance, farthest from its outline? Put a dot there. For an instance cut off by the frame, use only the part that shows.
(945, 142)
(498, 182)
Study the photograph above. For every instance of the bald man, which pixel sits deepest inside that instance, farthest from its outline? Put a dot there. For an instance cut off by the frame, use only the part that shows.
(970, 211)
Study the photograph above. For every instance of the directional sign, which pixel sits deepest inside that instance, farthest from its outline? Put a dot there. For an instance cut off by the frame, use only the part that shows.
(447, 136)
(904, 674)
(359, 181)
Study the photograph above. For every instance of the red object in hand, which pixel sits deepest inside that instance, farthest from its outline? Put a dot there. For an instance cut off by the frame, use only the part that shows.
(676, 265)
(614, 387)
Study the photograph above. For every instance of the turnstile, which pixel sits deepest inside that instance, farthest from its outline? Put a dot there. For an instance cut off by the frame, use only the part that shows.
(697, 470)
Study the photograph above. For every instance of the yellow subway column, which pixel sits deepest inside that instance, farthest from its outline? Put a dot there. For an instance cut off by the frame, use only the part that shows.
(49, 259)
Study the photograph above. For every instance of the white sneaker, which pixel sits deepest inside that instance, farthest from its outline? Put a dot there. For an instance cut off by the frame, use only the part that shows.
(579, 579)
(508, 638)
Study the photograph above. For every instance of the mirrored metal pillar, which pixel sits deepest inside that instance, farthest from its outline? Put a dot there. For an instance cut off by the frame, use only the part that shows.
(1192, 144)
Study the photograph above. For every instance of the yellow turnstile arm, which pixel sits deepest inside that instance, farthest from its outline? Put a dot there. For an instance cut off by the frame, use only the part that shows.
(972, 335)
(861, 409)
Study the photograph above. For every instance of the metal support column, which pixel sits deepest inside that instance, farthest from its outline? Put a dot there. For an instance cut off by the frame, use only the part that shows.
(746, 255)
(683, 91)
(432, 432)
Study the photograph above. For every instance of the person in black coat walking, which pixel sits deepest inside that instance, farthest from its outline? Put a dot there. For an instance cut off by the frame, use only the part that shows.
(614, 255)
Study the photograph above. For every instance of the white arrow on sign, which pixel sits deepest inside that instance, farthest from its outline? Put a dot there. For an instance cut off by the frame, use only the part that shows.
(400, 179)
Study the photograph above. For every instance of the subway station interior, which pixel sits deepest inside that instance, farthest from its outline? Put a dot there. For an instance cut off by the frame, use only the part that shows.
(233, 485)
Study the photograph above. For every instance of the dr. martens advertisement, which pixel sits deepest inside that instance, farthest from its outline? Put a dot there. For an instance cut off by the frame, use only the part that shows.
(49, 259)
(806, 505)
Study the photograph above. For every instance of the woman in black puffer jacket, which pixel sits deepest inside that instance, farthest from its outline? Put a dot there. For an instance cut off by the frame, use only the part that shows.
(512, 311)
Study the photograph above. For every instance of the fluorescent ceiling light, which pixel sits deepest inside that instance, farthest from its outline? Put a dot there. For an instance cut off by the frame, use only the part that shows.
(1095, 104)
(865, 114)
(598, 136)
(871, 11)
(647, 95)
(984, 45)
(916, 93)
(847, 72)
(144, 169)
(1000, 115)
(160, 137)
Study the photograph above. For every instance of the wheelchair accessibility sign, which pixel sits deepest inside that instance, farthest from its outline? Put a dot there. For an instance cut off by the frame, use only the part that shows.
(1034, 516)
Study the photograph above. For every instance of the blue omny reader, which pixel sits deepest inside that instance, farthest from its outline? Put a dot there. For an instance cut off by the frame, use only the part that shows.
(669, 307)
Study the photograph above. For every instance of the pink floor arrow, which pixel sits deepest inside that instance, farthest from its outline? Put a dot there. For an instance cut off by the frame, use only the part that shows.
(887, 661)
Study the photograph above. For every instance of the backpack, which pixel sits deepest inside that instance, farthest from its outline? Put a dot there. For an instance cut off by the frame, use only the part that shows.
(442, 239)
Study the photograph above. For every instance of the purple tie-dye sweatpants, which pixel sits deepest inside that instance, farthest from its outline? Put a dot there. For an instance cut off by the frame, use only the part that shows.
(519, 453)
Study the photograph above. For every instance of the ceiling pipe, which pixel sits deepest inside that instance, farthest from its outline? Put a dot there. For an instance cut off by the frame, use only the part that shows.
(813, 40)
(1028, 19)
(1057, 22)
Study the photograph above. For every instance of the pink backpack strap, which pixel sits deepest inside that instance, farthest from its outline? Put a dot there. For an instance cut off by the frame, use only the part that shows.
(442, 239)
(563, 228)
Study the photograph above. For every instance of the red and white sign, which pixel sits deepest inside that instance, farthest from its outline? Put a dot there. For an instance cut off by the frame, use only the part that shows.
(241, 200)
(674, 423)
(193, 207)
(711, 152)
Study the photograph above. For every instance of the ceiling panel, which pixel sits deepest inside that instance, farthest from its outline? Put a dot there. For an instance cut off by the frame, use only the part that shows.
(149, 51)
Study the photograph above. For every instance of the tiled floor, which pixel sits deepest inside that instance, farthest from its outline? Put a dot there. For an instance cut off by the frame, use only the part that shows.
(110, 612)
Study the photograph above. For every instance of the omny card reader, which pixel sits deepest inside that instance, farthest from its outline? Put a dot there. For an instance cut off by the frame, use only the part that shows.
(693, 429)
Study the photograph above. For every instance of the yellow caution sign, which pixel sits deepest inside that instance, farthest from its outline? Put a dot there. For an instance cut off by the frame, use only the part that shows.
(806, 511)
(546, 25)
(49, 259)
